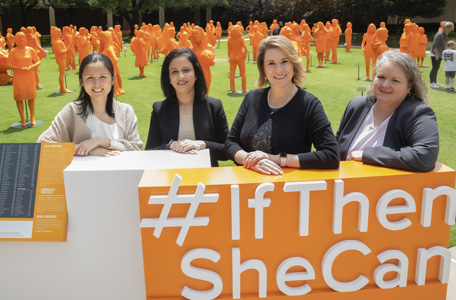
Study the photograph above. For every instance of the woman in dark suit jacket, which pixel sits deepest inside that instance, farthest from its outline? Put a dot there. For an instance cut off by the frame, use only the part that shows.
(393, 126)
(187, 120)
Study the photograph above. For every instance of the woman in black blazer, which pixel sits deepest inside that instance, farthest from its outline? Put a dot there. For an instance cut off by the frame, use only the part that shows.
(187, 120)
(276, 127)
(393, 126)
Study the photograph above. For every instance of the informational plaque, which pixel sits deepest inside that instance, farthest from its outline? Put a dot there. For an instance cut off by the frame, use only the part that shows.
(32, 192)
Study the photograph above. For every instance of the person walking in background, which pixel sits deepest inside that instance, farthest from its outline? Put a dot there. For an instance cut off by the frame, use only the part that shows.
(438, 45)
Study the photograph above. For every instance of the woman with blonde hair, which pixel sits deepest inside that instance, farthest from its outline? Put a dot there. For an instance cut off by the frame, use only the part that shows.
(276, 126)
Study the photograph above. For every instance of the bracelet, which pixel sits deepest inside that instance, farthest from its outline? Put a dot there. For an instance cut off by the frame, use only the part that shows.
(168, 146)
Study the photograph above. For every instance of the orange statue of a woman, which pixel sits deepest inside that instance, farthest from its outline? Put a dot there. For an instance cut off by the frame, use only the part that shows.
(348, 37)
(237, 53)
(111, 53)
(334, 39)
(218, 33)
(83, 43)
(5, 78)
(204, 55)
(306, 38)
(138, 46)
(380, 45)
(59, 50)
(366, 46)
(22, 60)
(184, 41)
(321, 36)
(10, 39)
(420, 50)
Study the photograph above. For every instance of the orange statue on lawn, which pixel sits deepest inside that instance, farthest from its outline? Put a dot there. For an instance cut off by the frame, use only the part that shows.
(10, 39)
(306, 38)
(138, 46)
(60, 51)
(348, 37)
(237, 53)
(404, 41)
(111, 53)
(169, 42)
(328, 41)
(94, 39)
(380, 45)
(23, 60)
(33, 43)
(184, 41)
(334, 39)
(321, 36)
(83, 43)
(366, 46)
(218, 33)
(256, 38)
(204, 55)
(420, 50)
(5, 78)
(69, 44)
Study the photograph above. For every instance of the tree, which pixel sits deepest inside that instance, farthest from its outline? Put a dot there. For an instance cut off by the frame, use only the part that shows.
(22, 6)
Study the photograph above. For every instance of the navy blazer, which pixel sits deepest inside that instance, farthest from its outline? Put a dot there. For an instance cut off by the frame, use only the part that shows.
(209, 121)
(295, 128)
(411, 138)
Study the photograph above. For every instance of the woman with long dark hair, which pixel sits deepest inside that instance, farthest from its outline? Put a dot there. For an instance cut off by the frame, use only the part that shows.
(95, 122)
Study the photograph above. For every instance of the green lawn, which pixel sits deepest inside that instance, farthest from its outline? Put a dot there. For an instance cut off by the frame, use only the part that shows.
(334, 86)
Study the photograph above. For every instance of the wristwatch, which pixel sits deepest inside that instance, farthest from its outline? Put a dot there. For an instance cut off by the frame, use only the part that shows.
(283, 159)
(168, 146)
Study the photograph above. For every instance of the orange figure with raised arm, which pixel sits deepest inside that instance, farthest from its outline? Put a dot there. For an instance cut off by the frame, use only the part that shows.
(420, 50)
(83, 43)
(59, 50)
(110, 52)
(334, 39)
(380, 45)
(366, 46)
(204, 55)
(348, 37)
(10, 39)
(306, 38)
(321, 36)
(184, 41)
(237, 53)
(22, 60)
(138, 46)
(218, 33)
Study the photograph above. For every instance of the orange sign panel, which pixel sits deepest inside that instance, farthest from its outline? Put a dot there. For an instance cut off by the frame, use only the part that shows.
(32, 194)
(360, 232)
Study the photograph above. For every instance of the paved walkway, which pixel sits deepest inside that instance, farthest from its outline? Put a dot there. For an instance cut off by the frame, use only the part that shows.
(451, 294)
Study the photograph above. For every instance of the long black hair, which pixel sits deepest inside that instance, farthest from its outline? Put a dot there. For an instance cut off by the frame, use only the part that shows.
(84, 102)
(200, 83)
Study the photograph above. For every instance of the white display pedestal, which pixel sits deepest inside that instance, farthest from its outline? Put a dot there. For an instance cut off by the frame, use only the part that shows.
(102, 257)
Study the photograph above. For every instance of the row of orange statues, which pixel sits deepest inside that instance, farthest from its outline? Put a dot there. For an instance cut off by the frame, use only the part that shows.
(413, 41)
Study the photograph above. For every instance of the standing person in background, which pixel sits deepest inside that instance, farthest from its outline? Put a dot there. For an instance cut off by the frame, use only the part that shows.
(438, 45)
(449, 56)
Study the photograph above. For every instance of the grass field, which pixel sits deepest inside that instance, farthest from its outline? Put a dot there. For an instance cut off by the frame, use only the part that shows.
(334, 86)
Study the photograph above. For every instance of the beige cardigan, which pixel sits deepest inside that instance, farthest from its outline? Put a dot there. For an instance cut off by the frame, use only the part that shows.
(68, 126)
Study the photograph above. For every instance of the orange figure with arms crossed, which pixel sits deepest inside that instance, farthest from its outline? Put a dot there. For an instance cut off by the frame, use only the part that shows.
(22, 60)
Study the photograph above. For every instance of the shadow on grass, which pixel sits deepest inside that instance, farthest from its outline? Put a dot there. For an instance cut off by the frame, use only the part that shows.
(230, 94)
(11, 130)
(137, 78)
(58, 94)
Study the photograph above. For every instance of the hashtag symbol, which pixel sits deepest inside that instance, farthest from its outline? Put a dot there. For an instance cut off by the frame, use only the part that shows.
(172, 198)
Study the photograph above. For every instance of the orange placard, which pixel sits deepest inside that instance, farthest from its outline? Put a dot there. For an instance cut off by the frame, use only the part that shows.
(32, 197)
(360, 232)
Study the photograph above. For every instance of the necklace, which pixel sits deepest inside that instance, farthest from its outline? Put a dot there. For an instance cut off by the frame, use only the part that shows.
(293, 92)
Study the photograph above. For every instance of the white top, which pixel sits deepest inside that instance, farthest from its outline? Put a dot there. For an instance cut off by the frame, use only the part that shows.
(186, 128)
(368, 135)
(99, 128)
(449, 56)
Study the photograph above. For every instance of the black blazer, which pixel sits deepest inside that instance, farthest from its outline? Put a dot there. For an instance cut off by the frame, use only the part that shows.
(295, 128)
(209, 121)
(411, 138)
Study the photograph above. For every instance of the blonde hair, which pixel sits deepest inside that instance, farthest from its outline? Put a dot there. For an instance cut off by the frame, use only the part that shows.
(418, 89)
(284, 44)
